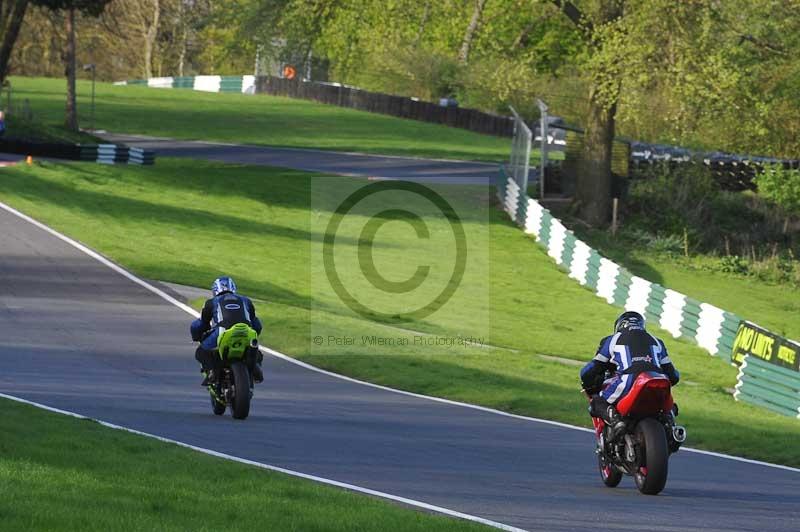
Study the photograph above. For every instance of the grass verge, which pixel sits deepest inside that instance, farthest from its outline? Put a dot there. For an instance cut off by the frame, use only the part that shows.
(70, 474)
(176, 220)
(32, 130)
(261, 120)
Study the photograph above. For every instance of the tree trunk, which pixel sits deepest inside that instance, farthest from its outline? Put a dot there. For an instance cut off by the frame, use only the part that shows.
(15, 14)
(593, 189)
(150, 40)
(182, 55)
(71, 117)
(469, 34)
(421, 31)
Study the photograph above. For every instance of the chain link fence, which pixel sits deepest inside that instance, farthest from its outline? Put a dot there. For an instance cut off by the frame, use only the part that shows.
(520, 161)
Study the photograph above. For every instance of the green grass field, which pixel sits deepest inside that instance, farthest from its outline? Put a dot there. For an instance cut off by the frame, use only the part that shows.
(62, 473)
(173, 221)
(263, 120)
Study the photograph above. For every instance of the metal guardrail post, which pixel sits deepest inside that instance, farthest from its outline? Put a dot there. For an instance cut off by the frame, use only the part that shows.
(520, 152)
(544, 134)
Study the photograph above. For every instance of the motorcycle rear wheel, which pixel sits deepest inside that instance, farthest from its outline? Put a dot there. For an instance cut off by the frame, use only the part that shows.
(651, 474)
(241, 384)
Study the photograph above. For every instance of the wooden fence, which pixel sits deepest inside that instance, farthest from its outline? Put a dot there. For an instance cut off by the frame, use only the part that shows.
(399, 106)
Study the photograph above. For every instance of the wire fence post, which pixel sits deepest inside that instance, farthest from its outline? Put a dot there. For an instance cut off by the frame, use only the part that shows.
(519, 163)
(544, 134)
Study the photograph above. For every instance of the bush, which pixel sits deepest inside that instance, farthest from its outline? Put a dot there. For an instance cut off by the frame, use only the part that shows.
(744, 229)
(671, 199)
(660, 243)
(734, 264)
(781, 186)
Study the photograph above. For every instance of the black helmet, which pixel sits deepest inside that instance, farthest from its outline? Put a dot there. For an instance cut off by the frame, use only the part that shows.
(629, 320)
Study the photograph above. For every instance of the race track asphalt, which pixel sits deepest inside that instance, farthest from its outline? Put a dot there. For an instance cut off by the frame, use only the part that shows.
(329, 162)
(78, 336)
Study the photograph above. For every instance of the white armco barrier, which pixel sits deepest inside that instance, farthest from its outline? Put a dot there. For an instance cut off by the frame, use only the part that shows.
(249, 84)
(638, 295)
(710, 326)
(161, 83)
(672, 312)
(580, 262)
(533, 218)
(607, 281)
(207, 83)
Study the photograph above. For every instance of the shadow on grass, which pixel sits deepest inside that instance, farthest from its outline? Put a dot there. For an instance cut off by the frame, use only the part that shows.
(619, 252)
(199, 221)
(603, 245)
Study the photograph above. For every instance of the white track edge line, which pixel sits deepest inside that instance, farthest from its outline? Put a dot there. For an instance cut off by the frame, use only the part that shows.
(306, 476)
(280, 355)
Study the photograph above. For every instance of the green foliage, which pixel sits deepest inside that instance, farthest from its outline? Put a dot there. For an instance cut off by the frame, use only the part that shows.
(734, 233)
(734, 264)
(426, 74)
(671, 199)
(715, 75)
(659, 243)
(782, 186)
(779, 269)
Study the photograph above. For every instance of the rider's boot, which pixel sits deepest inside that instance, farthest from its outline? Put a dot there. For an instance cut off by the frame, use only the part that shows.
(208, 377)
(615, 422)
(258, 375)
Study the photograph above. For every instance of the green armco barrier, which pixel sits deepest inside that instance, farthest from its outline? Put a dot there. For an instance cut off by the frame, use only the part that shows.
(183, 82)
(230, 84)
(569, 248)
(710, 327)
(544, 235)
(622, 291)
(769, 386)
(758, 401)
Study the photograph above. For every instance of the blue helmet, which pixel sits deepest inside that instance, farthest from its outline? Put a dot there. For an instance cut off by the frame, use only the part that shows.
(222, 285)
(629, 320)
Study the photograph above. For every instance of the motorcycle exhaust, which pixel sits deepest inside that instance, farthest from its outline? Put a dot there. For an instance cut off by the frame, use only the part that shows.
(679, 433)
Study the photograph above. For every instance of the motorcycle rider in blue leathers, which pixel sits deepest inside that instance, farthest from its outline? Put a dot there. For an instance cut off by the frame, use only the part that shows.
(225, 309)
(626, 353)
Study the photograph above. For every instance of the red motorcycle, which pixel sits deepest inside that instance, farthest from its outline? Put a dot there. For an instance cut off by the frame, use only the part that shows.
(649, 437)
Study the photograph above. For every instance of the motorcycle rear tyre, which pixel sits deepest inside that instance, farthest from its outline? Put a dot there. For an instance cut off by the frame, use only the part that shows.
(654, 457)
(240, 406)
